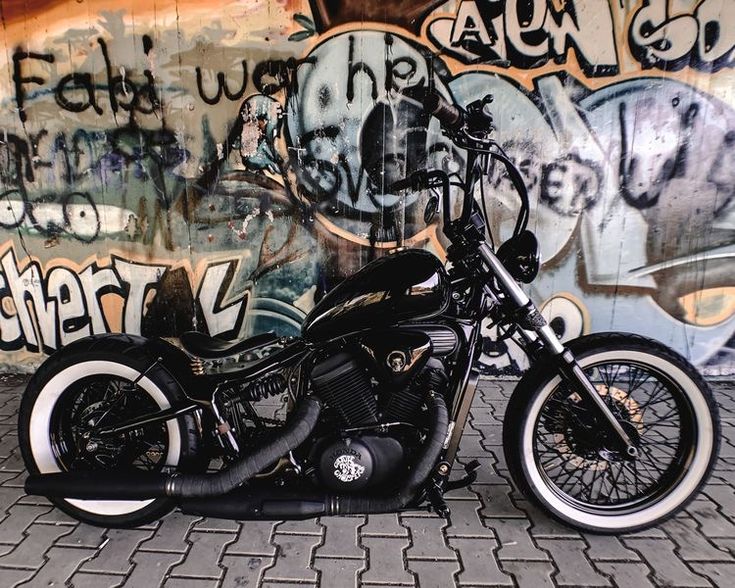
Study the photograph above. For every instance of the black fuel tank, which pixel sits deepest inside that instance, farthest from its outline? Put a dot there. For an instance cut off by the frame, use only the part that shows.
(406, 285)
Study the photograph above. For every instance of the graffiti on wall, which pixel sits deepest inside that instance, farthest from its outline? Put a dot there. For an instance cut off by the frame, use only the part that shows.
(159, 175)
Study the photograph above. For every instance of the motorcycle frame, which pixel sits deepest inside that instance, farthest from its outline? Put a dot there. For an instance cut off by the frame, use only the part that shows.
(493, 292)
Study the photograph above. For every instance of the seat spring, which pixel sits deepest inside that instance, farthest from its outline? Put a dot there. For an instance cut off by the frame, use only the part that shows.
(197, 366)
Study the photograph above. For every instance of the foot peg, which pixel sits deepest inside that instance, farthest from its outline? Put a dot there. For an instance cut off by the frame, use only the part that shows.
(470, 475)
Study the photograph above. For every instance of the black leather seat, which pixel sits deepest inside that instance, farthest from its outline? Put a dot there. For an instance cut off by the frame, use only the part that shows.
(208, 347)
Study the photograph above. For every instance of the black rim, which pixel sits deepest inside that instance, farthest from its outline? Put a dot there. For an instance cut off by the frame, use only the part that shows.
(583, 463)
(99, 401)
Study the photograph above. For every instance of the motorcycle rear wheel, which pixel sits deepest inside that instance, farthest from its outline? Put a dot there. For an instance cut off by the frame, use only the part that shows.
(92, 380)
(562, 457)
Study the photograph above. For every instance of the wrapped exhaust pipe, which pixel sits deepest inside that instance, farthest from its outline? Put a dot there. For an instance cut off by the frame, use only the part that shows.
(139, 485)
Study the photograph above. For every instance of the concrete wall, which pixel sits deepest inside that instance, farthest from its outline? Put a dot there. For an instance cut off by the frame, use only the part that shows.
(218, 164)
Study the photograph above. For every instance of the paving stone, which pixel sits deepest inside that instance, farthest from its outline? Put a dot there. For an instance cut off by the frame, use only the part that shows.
(471, 446)
(385, 560)
(171, 534)
(87, 580)
(29, 552)
(542, 525)
(152, 567)
(498, 457)
(10, 481)
(307, 527)
(515, 540)
(190, 583)
(726, 545)
(14, 577)
(254, 539)
(713, 523)
(574, 568)
(210, 524)
(383, 525)
(482, 415)
(721, 574)
(61, 565)
(294, 557)
(487, 474)
(608, 547)
(83, 536)
(116, 550)
(427, 538)
(8, 443)
(18, 520)
(530, 574)
(243, 570)
(55, 517)
(466, 521)
(497, 503)
(479, 562)
(727, 450)
(9, 495)
(650, 533)
(492, 436)
(724, 497)
(379, 550)
(691, 544)
(434, 574)
(14, 463)
(204, 554)
(667, 568)
(341, 537)
(630, 574)
(339, 573)
(39, 501)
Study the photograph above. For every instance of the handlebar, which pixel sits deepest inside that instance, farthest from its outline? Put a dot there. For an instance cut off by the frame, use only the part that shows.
(450, 117)
(468, 129)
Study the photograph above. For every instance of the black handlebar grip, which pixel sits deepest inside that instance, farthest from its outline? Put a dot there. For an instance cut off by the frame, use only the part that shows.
(401, 184)
(449, 115)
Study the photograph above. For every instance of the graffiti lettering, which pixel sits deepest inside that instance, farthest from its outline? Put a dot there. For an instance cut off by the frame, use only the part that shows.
(570, 184)
(219, 144)
(19, 80)
(72, 83)
(41, 311)
(76, 92)
(704, 39)
(528, 33)
(222, 86)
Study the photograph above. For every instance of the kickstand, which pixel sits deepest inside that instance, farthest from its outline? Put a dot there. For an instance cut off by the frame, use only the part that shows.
(435, 494)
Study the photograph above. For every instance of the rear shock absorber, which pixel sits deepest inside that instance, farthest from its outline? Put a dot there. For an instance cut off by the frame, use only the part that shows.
(265, 387)
(232, 407)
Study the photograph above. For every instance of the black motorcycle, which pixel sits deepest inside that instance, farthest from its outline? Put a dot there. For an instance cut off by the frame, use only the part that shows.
(611, 432)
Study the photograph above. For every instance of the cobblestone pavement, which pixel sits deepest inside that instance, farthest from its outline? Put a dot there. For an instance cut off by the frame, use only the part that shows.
(493, 538)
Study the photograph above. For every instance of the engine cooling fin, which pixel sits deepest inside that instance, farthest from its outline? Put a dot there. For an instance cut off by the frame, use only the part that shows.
(345, 387)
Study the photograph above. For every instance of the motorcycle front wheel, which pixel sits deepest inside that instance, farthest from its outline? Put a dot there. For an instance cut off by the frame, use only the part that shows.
(95, 382)
(564, 458)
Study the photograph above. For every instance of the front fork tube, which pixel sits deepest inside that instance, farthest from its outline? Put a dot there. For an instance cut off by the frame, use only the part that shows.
(536, 331)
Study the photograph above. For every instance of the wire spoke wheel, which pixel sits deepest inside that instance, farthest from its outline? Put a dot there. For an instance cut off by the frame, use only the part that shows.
(563, 454)
(96, 383)
(583, 461)
(99, 401)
